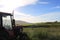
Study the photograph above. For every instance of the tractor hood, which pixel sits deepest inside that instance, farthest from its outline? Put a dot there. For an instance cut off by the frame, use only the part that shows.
(4, 13)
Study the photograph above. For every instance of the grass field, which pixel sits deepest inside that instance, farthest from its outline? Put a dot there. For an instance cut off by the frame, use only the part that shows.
(43, 33)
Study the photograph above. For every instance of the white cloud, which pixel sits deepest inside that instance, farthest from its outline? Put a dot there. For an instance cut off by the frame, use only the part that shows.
(43, 2)
(42, 18)
(54, 16)
(9, 5)
(24, 17)
(56, 7)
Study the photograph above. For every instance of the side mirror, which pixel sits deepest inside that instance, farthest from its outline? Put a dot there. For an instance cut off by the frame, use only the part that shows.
(13, 22)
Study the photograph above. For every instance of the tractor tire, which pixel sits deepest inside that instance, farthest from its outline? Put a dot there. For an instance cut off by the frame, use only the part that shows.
(4, 35)
(3, 38)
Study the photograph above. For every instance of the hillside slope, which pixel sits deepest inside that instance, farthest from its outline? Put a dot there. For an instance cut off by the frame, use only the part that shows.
(18, 22)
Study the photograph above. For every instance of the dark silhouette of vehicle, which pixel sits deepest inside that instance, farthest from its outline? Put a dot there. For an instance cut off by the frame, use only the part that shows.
(8, 30)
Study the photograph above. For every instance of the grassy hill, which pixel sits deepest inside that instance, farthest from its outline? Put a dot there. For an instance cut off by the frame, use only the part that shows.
(18, 22)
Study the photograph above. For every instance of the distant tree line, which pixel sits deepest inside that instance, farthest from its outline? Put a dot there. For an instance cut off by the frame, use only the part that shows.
(46, 24)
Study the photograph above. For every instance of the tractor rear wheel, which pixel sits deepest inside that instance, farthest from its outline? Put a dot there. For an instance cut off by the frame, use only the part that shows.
(3, 38)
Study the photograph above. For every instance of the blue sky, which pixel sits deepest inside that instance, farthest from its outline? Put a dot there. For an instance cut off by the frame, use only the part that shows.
(32, 10)
(41, 8)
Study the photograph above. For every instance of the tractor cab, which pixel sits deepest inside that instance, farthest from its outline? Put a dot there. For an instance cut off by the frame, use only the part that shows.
(6, 26)
(6, 20)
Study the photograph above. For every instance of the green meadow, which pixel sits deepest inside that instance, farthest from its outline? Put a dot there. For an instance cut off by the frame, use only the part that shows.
(42, 33)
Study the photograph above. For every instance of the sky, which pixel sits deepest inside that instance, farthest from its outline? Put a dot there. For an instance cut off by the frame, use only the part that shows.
(32, 11)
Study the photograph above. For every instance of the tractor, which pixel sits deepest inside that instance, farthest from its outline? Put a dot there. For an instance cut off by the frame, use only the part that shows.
(7, 24)
(8, 29)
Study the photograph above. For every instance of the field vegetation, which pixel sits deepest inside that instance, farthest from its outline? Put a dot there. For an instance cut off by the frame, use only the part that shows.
(44, 31)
